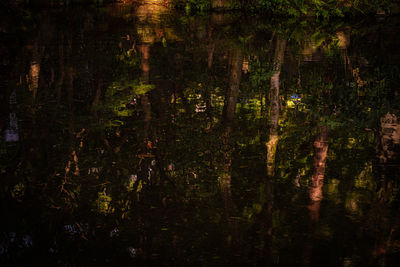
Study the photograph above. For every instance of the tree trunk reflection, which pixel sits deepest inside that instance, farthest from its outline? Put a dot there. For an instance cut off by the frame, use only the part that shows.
(144, 99)
(236, 58)
(387, 147)
(272, 141)
(320, 153)
(235, 61)
(316, 194)
(274, 105)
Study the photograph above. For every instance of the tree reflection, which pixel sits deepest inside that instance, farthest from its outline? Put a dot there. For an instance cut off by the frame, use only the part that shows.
(387, 149)
(148, 143)
(274, 104)
(235, 64)
(320, 154)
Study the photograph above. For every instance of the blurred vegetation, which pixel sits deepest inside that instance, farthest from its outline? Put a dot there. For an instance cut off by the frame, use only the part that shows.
(321, 9)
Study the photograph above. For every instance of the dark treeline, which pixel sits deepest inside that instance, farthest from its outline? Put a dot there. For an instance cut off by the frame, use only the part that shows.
(321, 9)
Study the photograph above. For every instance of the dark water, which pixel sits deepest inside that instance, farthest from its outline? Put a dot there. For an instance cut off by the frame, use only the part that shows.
(134, 136)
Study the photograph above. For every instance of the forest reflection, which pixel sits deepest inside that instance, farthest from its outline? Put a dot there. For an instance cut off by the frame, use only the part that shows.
(136, 135)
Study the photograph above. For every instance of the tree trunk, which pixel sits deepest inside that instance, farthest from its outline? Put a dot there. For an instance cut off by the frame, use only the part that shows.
(219, 4)
(316, 195)
(387, 142)
(344, 43)
(210, 50)
(274, 105)
(34, 70)
(146, 106)
(145, 55)
(96, 99)
(235, 73)
(70, 75)
(61, 73)
(144, 99)
(320, 153)
(386, 170)
(236, 59)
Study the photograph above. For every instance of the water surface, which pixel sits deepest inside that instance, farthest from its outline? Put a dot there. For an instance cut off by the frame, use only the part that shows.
(133, 135)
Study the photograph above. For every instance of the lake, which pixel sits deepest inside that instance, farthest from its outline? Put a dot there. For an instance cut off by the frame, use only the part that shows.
(134, 135)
